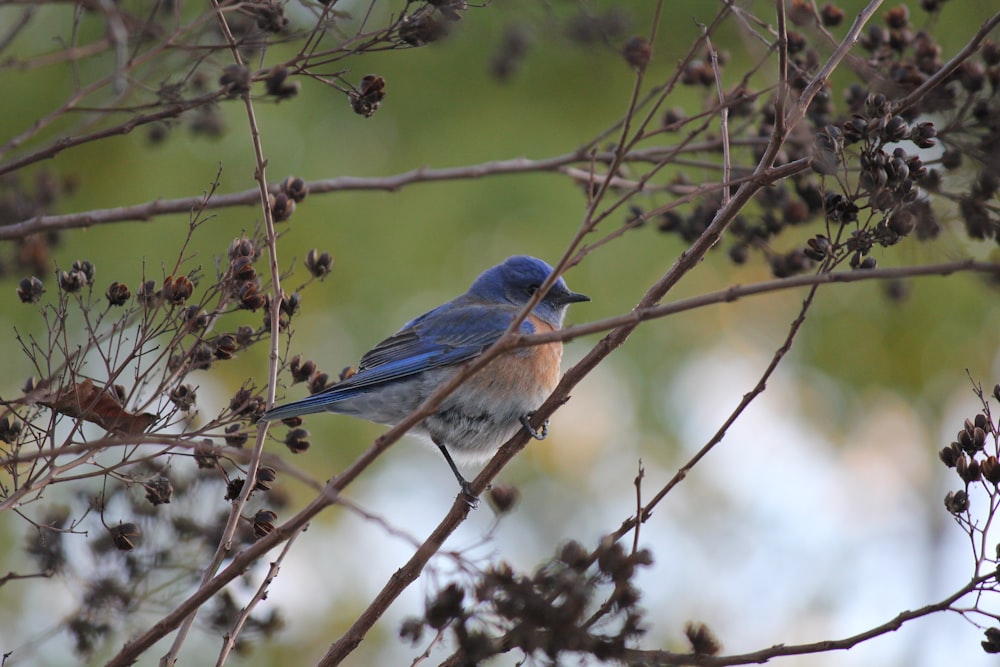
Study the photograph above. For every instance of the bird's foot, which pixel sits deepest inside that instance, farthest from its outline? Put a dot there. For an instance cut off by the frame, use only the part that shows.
(468, 496)
(540, 434)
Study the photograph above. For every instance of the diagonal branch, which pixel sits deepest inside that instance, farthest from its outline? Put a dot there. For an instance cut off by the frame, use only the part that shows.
(634, 656)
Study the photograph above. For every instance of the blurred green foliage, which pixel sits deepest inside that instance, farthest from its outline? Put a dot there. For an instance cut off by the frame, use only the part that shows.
(397, 254)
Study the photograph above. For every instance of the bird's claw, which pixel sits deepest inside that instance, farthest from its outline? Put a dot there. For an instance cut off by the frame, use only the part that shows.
(468, 496)
(541, 433)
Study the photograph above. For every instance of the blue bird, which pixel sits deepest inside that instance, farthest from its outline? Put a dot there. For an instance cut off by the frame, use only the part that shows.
(395, 377)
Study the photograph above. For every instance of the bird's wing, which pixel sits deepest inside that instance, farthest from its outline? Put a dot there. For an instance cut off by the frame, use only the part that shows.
(450, 334)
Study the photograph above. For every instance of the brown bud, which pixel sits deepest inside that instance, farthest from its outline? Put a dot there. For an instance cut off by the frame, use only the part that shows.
(503, 497)
(831, 15)
(638, 52)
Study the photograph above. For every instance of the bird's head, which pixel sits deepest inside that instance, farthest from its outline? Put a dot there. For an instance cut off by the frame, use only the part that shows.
(516, 280)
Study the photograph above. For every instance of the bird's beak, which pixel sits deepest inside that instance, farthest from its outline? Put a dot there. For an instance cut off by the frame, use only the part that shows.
(572, 297)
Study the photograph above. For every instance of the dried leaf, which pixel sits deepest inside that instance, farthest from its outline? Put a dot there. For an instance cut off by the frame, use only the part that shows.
(99, 406)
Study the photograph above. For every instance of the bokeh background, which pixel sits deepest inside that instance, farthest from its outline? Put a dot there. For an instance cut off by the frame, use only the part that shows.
(819, 516)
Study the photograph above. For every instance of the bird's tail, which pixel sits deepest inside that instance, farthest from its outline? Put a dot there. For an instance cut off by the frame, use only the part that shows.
(320, 402)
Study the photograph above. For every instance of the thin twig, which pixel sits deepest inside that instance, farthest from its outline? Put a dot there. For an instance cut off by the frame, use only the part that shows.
(229, 641)
(727, 166)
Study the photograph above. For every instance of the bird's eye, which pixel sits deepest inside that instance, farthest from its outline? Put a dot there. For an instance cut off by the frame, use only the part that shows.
(531, 289)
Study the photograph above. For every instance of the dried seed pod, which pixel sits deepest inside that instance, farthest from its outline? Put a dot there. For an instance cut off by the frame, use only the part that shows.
(277, 84)
(30, 290)
(831, 15)
(147, 294)
(445, 607)
(318, 382)
(235, 436)
(71, 281)
(201, 357)
(204, 455)
(297, 440)
(234, 488)
(177, 290)
(422, 29)
(703, 641)
(10, 429)
(991, 469)
(503, 497)
(183, 396)
(85, 268)
(290, 303)
(295, 188)
(124, 536)
(638, 52)
(301, 370)
(244, 335)
(242, 269)
(319, 264)
(235, 80)
(282, 206)
(367, 98)
(250, 298)
(245, 404)
(117, 294)
(956, 502)
(241, 247)
(263, 523)
(265, 478)
(159, 490)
